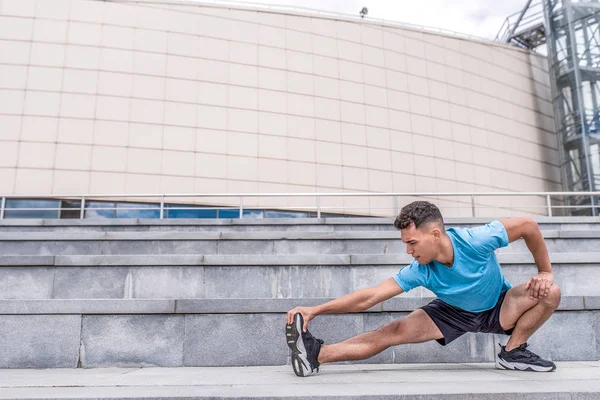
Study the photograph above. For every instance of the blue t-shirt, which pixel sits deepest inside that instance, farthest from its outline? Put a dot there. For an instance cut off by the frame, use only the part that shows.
(475, 281)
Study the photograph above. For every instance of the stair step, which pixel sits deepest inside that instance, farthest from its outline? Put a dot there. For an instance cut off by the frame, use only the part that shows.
(274, 243)
(224, 306)
(278, 224)
(241, 339)
(244, 236)
(269, 259)
(571, 380)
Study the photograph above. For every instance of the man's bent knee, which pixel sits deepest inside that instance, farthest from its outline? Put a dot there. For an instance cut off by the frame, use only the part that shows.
(553, 297)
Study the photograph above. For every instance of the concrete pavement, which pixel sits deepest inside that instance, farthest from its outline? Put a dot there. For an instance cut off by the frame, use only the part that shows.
(572, 380)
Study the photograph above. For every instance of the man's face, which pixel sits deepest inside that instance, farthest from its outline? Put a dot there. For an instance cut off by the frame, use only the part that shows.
(421, 243)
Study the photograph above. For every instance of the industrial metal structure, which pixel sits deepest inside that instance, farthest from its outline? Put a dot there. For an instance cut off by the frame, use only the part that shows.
(569, 31)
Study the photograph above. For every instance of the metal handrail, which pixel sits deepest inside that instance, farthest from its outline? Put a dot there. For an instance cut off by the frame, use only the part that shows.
(526, 17)
(394, 195)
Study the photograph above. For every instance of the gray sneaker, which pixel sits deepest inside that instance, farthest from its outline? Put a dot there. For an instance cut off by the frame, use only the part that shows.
(305, 348)
(521, 359)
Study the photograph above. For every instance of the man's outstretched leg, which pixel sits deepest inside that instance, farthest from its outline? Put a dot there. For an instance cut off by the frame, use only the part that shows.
(526, 315)
(308, 354)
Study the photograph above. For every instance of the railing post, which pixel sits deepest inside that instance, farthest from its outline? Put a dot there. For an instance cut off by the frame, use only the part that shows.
(82, 212)
(241, 207)
(2, 207)
(396, 211)
(162, 207)
(318, 206)
(473, 213)
(549, 205)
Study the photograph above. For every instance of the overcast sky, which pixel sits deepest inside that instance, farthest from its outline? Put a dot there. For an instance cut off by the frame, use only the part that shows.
(481, 18)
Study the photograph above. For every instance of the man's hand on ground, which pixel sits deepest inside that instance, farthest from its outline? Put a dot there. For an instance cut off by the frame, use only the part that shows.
(539, 285)
(307, 313)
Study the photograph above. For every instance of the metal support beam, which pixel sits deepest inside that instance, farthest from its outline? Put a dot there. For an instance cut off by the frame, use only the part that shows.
(318, 206)
(514, 28)
(82, 211)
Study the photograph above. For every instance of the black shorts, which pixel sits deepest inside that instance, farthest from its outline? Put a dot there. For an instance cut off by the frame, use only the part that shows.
(455, 322)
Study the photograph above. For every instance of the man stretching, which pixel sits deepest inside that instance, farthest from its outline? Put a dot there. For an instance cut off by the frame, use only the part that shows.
(460, 267)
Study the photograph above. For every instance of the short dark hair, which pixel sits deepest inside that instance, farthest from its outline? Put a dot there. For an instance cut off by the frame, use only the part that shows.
(419, 213)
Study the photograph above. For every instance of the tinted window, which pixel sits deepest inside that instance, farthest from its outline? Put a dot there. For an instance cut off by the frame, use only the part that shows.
(17, 203)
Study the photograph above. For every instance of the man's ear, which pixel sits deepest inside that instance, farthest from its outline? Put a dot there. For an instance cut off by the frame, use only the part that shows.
(436, 232)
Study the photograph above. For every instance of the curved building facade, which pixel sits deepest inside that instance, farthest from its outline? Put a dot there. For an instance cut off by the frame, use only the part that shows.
(151, 97)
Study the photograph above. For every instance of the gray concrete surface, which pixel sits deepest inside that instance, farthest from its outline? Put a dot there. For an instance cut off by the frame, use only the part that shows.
(250, 258)
(225, 306)
(268, 243)
(84, 235)
(241, 339)
(131, 278)
(571, 380)
(272, 221)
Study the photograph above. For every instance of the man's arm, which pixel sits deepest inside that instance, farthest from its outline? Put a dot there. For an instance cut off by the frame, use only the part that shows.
(358, 301)
(529, 230)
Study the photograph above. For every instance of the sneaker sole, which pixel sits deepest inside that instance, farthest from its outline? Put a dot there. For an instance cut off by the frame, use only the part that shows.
(294, 341)
(299, 365)
(503, 364)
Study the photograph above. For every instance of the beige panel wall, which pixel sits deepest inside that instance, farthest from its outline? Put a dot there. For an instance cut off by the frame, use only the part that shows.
(100, 98)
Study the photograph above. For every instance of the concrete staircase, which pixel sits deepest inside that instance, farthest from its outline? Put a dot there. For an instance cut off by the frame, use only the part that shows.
(197, 293)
